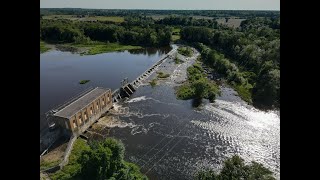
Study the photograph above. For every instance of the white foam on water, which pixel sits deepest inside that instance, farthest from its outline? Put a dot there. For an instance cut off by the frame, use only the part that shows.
(138, 99)
(111, 122)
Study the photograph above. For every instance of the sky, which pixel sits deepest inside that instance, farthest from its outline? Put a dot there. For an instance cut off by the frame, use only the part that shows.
(165, 4)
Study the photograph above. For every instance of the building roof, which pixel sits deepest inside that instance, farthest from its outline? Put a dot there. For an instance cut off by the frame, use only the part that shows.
(81, 102)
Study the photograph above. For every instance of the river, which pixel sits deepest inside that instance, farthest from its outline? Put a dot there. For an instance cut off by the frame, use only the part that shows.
(170, 139)
(166, 137)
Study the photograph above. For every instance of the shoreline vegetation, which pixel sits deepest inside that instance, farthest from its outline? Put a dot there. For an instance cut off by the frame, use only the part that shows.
(98, 160)
(105, 160)
(92, 48)
(43, 47)
(153, 82)
(178, 60)
(48, 164)
(197, 86)
(162, 75)
(84, 81)
(248, 57)
(95, 36)
(186, 51)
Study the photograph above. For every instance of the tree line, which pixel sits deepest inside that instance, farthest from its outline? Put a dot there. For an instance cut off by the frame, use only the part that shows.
(130, 12)
(251, 55)
(66, 31)
(188, 21)
(135, 30)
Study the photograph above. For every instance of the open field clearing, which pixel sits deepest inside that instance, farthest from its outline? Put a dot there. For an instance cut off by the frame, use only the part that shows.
(231, 22)
(116, 19)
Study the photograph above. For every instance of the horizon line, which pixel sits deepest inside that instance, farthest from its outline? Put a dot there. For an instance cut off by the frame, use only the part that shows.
(162, 9)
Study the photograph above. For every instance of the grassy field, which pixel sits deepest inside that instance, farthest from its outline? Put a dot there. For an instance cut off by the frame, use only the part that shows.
(116, 19)
(202, 17)
(232, 22)
(162, 75)
(54, 157)
(73, 166)
(106, 47)
(157, 17)
(176, 34)
(43, 47)
(48, 164)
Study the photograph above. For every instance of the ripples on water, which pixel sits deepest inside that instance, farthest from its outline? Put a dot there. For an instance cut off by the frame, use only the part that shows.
(167, 137)
(170, 140)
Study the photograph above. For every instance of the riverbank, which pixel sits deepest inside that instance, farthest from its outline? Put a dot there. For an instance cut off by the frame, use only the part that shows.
(87, 49)
(44, 47)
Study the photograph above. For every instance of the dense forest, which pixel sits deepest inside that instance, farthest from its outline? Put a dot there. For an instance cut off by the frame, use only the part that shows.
(249, 56)
(121, 12)
(67, 31)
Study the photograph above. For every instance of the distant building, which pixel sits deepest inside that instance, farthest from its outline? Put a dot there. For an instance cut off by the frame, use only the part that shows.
(81, 113)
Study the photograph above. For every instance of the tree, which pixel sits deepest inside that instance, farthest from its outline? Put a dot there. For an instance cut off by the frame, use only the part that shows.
(104, 160)
(267, 89)
(234, 168)
(200, 88)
